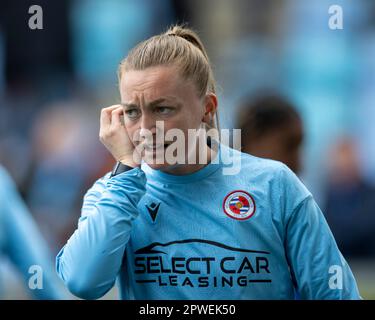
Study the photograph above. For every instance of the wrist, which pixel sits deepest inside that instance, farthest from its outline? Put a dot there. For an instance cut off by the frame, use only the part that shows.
(128, 161)
(120, 168)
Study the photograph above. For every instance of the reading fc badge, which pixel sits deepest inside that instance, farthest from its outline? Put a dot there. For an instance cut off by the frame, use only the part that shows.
(239, 205)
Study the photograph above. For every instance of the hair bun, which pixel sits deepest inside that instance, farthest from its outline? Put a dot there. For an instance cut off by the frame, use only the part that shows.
(187, 34)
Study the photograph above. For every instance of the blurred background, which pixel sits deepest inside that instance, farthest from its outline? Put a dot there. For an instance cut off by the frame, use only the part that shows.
(54, 81)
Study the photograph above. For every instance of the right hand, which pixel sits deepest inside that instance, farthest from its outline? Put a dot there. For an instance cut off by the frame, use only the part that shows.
(115, 138)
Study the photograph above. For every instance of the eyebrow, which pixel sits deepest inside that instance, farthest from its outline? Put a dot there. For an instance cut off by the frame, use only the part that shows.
(151, 104)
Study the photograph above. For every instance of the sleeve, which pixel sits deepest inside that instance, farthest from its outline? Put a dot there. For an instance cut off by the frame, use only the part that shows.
(91, 259)
(25, 246)
(318, 268)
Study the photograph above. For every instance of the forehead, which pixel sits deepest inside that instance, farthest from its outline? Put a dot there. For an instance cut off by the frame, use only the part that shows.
(153, 83)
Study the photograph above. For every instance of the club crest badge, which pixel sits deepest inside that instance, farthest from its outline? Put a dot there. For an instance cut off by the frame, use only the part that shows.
(239, 205)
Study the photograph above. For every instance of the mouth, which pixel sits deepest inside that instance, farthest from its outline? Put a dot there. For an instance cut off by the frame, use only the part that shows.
(155, 147)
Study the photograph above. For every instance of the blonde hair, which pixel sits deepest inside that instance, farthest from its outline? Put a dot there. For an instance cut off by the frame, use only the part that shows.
(179, 46)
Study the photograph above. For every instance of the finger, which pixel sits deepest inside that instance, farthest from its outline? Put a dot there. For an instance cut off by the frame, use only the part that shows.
(116, 116)
(105, 115)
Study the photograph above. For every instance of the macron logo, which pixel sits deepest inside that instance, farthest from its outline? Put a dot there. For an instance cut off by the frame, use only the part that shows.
(153, 210)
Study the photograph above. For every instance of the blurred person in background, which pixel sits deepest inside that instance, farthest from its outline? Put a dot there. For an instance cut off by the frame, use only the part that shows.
(272, 128)
(22, 243)
(60, 173)
(350, 201)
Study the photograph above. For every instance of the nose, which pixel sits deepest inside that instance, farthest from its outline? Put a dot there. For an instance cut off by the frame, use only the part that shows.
(147, 123)
(147, 127)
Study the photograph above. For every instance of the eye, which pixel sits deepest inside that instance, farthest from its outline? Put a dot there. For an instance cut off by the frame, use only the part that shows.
(163, 110)
(132, 113)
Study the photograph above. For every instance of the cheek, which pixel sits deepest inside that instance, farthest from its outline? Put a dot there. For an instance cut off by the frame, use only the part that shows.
(132, 131)
(192, 119)
(185, 119)
(183, 124)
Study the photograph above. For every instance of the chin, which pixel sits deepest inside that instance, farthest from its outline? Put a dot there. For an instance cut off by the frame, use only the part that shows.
(162, 167)
(150, 158)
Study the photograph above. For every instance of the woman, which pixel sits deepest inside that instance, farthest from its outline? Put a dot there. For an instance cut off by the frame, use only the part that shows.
(187, 230)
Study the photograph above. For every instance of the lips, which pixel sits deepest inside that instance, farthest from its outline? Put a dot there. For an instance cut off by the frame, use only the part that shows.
(154, 147)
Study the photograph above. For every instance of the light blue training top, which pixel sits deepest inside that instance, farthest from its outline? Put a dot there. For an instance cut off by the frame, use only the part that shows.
(257, 234)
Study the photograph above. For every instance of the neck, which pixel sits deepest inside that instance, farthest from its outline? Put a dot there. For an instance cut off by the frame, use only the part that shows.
(182, 169)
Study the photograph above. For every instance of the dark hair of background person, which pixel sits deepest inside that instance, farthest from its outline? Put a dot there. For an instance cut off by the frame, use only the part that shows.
(271, 128)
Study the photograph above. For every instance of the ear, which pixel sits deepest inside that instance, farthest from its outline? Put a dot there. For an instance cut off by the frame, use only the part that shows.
(210, 107)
